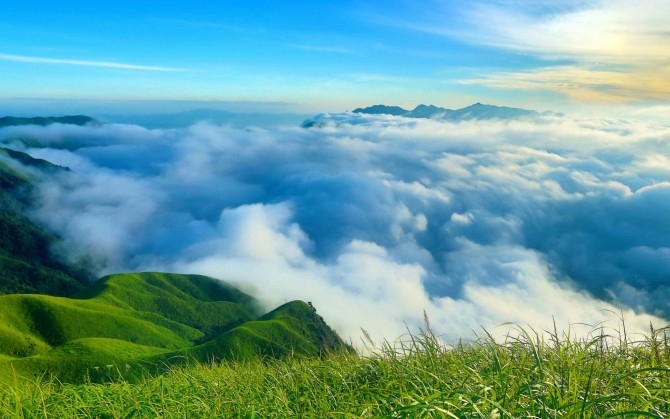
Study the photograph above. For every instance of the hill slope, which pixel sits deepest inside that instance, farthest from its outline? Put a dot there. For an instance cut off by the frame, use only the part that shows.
(26, 263)
(147, 321)
(293, 328)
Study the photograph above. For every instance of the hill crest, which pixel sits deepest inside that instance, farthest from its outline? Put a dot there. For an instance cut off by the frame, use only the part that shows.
(82, 120)
(477, 111)
(151, 320)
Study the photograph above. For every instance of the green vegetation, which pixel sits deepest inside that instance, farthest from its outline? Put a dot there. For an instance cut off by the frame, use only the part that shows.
(26, 262)
(523, 376)
(146, 322)
(27, 160)
(149, 321)
(293, 328)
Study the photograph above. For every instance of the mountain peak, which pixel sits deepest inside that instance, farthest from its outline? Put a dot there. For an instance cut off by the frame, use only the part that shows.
(475, 111)
(426, 111)
(382, 110)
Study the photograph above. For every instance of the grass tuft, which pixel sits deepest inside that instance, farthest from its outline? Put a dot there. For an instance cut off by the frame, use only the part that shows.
(527, 374)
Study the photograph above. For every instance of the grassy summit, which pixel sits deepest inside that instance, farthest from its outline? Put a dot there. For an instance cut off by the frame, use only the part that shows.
(146, 321)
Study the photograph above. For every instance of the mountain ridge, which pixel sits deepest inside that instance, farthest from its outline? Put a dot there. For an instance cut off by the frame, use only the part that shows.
(477, 111)
(149, 321)
(27, 264)
(82, 120)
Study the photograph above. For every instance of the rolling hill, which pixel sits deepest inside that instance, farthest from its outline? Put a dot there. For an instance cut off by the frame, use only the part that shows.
(143, 322)
(54, 322)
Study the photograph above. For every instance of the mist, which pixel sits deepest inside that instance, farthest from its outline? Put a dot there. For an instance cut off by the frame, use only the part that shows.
(375, 218)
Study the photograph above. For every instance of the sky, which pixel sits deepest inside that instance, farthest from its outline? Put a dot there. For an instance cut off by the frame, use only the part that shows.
(311, 56)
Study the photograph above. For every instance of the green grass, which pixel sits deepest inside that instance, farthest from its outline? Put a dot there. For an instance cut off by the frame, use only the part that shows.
(149, 321)
(523, 376)
(27, 264)
(208, 304)
(89, 359)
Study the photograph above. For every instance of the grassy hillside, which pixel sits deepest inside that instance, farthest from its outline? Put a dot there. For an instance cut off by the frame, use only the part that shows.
(524, 376)
(148, 320)
(26, 263)
(293, 328)
(139, 322)
(203, 303)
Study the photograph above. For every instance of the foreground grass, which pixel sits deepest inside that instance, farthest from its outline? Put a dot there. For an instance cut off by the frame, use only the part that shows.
(526, 375)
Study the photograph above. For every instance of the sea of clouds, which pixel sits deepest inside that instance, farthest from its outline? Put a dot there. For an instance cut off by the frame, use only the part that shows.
(376, 218)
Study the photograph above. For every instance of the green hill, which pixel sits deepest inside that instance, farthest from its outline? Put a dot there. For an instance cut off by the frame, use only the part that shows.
(26, 263)
(135, 324)
(206, 304)
(293, 328)
(143, 322)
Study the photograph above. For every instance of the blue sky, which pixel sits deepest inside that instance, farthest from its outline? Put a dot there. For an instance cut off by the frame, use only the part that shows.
(315, 56)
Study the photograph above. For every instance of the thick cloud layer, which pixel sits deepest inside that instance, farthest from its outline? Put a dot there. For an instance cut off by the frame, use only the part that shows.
(377, 218)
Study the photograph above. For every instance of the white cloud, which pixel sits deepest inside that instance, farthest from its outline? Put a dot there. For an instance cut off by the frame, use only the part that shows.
(593, 51)
(84, 63)
(611, 32)
(376, 218)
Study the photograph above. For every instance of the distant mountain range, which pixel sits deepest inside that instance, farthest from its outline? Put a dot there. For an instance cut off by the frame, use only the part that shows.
(166, 120)
(8, 121)
(476, 111)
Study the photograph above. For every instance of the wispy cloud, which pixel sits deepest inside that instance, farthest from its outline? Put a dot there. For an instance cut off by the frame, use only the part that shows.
(617, 50)
(616, 32)
(584, 83)
(84, 63)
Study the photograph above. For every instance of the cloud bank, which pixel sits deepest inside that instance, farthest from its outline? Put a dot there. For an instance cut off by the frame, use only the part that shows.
(377, 218)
